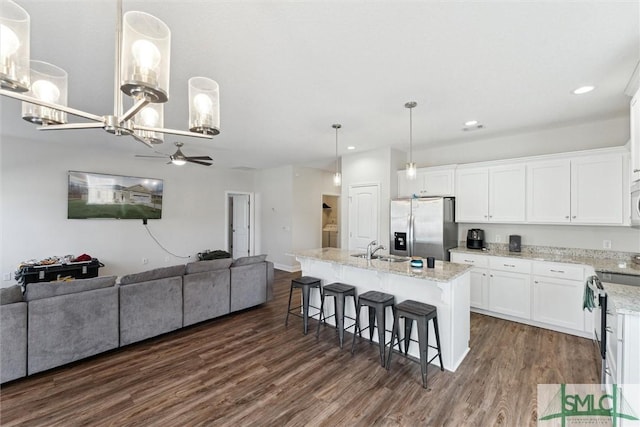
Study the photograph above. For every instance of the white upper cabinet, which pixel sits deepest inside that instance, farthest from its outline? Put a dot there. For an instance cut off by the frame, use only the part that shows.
(472, 195)
(549, 191)
(597, 184)
(436, 181)
(580, 190)
(635, 137)
(491, 194)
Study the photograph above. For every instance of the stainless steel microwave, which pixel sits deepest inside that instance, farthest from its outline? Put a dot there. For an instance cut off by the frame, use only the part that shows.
(635, 204)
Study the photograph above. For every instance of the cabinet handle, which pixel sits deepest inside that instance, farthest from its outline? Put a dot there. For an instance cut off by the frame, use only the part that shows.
(574, 217)
(608, 329)
(509, 265)
(491, 275)
(535, 281)
(607, 371)
(557, 271)
(566, 217)
(471, 261)
(485, 216)
(636, 170)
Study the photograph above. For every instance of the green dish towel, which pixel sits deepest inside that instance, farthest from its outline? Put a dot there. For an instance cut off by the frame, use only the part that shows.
(589, 300)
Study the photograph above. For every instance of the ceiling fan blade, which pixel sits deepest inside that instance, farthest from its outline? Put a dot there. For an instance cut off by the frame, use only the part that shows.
(189, 159)
(199, 158)
(155, 157)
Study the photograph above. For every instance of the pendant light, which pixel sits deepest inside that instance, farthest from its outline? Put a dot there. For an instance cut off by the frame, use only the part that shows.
(411, 167)
(337, 177)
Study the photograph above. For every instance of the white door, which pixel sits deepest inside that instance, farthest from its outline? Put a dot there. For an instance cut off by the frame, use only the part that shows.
(363, 216)
(239, 204)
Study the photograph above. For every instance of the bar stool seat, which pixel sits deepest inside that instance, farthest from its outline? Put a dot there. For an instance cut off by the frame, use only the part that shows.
(422, 313)
(376, 303)
(339, 291)
(305, 284)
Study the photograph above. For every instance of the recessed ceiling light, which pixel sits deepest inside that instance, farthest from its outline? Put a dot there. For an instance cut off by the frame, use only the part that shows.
(471, 123)
(583, 89)
(351, 147)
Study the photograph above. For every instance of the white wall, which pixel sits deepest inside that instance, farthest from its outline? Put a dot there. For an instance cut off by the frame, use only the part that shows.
(612, 132)
(307, 208)
(34, 222)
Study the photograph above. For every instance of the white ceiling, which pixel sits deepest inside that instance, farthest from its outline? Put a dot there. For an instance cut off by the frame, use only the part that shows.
(289, 69)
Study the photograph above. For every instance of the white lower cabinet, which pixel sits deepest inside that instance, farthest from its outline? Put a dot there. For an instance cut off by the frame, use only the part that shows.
(557, 294)
(544, 294)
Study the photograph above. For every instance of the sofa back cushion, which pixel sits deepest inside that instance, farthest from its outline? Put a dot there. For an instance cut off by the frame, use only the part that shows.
(155, 274)
(214, 264)
(41, 290)
(249, 260)
(10, 295)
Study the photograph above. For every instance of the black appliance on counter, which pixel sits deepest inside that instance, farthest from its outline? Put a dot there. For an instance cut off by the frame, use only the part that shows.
(515, 243)
(475, 238)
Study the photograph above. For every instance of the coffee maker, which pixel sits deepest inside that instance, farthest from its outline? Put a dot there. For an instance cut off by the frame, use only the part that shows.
(475, 238)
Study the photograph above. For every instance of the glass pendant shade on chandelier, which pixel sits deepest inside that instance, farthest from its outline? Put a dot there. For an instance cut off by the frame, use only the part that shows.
(143, 63)
(337, 176)
(411, 169)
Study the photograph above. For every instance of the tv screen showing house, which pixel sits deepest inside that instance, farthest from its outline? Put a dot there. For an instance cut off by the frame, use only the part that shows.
(95, 195)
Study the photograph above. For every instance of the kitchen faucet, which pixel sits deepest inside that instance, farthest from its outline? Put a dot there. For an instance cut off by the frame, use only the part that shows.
(371, 252)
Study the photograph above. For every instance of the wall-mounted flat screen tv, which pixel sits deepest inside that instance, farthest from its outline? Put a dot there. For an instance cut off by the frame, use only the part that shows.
(96, 195)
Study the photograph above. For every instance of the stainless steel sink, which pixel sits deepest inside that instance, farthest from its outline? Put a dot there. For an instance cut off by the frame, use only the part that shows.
(393, 259)
(365, 256)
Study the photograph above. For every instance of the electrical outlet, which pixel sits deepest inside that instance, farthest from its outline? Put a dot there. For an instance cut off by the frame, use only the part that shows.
(498, 238)
(167, 259)
(606, 244)
(145, 260)
(6, 277)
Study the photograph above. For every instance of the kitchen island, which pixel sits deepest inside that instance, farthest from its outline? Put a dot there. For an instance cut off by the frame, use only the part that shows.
(446, 286)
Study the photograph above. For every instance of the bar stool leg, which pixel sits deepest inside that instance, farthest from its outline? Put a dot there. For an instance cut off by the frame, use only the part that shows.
(435, 326)
(305, 307)
(408, 325)
(286, 320)
(372, 321)
(394, 334)
(340, 317)
(380, 314)
(423, 343)
(356, 329)
(320, 321)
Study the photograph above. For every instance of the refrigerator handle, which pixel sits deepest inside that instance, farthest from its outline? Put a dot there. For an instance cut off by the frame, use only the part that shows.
(410, 222)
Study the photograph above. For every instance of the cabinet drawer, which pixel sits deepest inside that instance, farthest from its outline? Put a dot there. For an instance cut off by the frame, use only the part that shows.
(471, 259)
(559, 270)
(510, 264)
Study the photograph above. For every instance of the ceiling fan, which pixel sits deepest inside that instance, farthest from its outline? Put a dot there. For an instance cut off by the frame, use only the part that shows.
(179, 159)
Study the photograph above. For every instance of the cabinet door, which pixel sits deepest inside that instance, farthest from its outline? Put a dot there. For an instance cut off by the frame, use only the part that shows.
(510, 293)
(507, 193)
(472, 195)
(479, 288)
(596, 189)
(635, 137)
(558, 302)
(549, 191)
(437, 182)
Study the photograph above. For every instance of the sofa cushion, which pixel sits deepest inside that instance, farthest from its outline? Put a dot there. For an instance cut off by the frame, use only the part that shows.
(249, 260)
(10, 295)
(41, 290)
(155, 274)
(214, 264)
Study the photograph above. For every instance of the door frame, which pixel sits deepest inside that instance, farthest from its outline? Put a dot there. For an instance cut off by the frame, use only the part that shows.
(377, 186)
(252, 219)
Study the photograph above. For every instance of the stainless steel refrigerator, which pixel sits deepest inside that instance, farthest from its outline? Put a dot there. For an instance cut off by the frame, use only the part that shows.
(423, 227)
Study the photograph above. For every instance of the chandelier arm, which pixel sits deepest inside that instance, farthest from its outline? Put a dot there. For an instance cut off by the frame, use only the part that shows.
(71, 126)
(139, 105)
(172, 131)
(117, 94)
(142, 140)
(36, 101)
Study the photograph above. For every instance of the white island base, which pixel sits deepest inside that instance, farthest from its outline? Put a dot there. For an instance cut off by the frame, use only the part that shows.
(451, 297)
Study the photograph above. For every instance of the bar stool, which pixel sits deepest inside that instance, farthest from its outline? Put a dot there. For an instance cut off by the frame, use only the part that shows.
(376, 303)
(304, 283)
(420, 312)
(339, 291)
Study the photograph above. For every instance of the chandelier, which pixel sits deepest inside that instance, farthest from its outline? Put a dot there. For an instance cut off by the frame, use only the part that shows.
(142, 73)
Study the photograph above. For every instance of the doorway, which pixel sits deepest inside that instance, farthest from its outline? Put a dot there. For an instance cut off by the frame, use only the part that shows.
(240, 224)
(330, 221)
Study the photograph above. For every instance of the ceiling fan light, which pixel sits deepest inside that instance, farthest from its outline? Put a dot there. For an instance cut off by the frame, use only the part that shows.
(204, 106)
(178, 161)
(146, 45)
(14, 47)
(152, 116)
(48, 84)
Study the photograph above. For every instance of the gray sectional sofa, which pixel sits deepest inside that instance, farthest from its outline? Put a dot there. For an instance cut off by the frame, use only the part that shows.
(55, 323)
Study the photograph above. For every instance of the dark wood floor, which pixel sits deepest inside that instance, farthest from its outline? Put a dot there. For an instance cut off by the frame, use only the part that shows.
(247, 369)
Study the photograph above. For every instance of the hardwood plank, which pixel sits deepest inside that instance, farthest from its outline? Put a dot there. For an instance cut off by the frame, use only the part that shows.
(247, 369)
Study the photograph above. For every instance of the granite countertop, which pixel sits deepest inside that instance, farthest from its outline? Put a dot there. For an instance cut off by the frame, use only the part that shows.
(606, 261)
(442, 272)
(625, 298)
